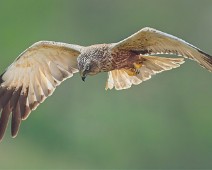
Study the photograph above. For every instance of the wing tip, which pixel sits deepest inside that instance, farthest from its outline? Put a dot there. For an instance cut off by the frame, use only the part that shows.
(205, 60)
(1, 138)
(14, 135)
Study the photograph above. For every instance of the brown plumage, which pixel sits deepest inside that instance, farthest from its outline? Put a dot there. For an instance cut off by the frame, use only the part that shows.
(34, 75)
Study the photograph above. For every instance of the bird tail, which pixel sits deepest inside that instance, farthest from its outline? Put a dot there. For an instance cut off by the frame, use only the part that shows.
(151, 65)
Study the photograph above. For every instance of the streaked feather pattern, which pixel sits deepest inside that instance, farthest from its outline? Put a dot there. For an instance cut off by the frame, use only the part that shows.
(32, 78)
(35, 74)
(149, 41)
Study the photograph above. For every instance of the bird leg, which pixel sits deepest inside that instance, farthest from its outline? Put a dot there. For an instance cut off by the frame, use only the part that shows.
(134, 69)
(137, 65)
(131, 71)
(134, 65)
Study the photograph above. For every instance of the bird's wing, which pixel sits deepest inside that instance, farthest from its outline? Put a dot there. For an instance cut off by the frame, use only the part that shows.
(151, 65)
(149, 41)
(32, 77)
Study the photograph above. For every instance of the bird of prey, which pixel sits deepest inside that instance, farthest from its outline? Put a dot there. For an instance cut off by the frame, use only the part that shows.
(37, 71)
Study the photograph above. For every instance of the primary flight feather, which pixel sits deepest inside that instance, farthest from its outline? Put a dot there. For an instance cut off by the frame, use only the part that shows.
(34, 75)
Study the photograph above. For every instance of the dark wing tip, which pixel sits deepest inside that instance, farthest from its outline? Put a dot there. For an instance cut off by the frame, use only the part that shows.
(4, 119)
(4, 110)
(205, 60)
(16, 120)
(9, 103)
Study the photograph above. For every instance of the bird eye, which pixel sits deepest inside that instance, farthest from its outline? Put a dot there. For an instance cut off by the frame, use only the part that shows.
(87, 68)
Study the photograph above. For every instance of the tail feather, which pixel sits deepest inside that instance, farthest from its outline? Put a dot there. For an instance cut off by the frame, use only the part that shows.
(120, 79)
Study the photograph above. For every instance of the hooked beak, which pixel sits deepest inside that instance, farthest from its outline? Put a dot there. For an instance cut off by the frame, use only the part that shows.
(83, 78)
(83, 75)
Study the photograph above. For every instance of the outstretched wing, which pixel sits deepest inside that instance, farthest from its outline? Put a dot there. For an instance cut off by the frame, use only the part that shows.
(149, 41)
(32, 77)
(151, 65)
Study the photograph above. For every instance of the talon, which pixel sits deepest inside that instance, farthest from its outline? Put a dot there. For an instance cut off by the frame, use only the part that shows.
(137, 71)
(137, 65)
(131, 72)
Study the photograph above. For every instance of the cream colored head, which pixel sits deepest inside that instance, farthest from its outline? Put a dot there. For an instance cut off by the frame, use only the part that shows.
(88, 65)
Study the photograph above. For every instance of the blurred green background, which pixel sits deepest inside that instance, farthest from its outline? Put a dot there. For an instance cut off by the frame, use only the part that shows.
(163, 123)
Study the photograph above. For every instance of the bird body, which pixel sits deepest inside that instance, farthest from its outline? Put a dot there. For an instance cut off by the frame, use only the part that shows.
(106, 59)
(37, 71)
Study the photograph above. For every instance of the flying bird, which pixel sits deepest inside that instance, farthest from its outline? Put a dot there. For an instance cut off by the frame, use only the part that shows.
(37, 71)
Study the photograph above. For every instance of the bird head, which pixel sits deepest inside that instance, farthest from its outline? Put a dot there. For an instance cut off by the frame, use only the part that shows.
(87, 66)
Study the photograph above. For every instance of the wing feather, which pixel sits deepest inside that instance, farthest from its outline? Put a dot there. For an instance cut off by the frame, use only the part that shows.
(16, 120)
(149, 41)
(32, 77)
